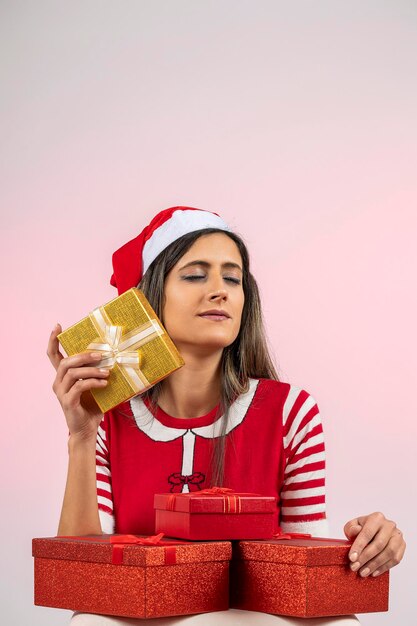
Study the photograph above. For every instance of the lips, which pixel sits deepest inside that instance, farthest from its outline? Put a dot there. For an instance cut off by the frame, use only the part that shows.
(216, 318)
(215, 315)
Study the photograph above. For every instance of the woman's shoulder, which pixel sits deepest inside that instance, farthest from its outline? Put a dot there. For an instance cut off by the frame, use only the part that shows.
(279, 387)
(293, 403)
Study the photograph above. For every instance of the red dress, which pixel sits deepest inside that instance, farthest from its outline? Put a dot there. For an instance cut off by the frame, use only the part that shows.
(274, 446)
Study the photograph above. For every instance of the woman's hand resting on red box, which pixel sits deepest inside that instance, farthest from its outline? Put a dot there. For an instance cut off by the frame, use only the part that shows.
(377, 545)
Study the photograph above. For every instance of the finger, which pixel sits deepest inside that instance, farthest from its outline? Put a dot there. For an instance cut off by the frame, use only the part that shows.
(78, 360)
(378, 544)
(352, 528)
(386, 566)
(383, 568)
(71, 399)
(53, 347)
(391, 552)
(81, 373)
(370, 526)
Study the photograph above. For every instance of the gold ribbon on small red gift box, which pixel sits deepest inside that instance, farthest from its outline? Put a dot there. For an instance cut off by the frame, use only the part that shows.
(120, 541)
(232, 502)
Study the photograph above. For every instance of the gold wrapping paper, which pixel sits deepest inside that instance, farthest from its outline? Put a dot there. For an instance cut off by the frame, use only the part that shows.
(134, 344)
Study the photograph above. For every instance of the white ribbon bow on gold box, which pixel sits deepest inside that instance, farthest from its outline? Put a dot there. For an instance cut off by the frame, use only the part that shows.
(122, 349)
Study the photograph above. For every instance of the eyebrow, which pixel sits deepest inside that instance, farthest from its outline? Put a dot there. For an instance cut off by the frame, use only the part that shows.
(227, 265)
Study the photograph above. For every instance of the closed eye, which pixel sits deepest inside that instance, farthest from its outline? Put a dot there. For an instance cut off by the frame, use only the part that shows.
(231, 279)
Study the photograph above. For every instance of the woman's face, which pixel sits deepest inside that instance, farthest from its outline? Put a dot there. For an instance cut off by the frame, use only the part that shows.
(207, 277)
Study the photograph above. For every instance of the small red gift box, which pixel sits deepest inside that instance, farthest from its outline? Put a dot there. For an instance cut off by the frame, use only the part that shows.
(302, 577)
(131, 576)
(216, 513)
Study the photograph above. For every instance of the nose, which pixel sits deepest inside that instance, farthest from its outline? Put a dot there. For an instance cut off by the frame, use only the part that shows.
(220, 294)
(217, 289)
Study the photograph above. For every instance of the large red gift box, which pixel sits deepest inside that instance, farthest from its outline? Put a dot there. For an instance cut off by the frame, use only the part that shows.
(216, 513)
(131, 576)
(302, 577)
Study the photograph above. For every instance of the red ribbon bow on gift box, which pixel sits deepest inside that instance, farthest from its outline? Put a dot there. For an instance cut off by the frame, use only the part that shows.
(119, 542)
(217, 491)
(231, 500)
(281, 535)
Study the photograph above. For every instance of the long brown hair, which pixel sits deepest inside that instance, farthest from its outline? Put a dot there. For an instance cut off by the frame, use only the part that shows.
(248, 355)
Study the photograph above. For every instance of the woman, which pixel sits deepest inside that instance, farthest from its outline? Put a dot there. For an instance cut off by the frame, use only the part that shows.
(224, 418)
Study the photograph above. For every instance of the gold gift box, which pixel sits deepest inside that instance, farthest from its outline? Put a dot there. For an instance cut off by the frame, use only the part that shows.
(134, 344)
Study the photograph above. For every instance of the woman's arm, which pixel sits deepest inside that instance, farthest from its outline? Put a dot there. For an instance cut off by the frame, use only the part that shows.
(303, 507)
(79, 514)
(75, 377)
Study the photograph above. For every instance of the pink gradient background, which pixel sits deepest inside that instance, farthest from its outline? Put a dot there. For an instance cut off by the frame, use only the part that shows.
(296, 122)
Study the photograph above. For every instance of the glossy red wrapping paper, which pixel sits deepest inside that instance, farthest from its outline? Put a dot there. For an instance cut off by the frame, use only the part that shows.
(95, 574)
(302, 578)
(215, 514)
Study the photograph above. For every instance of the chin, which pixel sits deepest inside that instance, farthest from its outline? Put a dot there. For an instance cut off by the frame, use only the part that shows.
(204, 343)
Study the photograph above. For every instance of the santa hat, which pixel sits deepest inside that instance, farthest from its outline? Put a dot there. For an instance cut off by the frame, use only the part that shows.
(131, 261)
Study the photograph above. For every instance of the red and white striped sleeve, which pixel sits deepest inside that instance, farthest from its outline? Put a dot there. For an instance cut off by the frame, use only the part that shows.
(303, 504)
(103, 479)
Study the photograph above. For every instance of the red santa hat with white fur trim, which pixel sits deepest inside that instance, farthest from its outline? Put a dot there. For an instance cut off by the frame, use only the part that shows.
(131, 261)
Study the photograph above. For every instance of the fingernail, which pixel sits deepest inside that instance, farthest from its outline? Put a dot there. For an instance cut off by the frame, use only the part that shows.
(355, 566)
(375, 573)
(95, 355)
(353, 556)
(365, 572)
(103, 370)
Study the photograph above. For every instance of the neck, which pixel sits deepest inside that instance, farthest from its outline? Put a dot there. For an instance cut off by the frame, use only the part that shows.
(195, 388)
